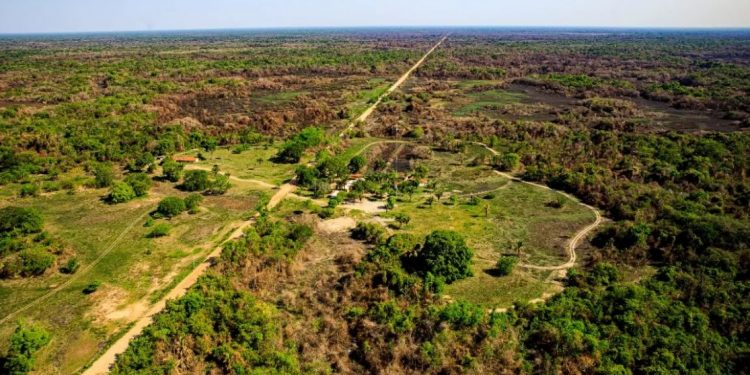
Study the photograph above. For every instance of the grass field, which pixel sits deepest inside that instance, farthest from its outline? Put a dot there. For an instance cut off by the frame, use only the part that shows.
(134, 272)
(478, 101)
(254, 163)
(512, 212)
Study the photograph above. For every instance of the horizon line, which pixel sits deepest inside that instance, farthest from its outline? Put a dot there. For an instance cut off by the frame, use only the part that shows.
(426, 27)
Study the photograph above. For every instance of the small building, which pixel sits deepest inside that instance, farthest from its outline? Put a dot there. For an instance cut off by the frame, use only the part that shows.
(185, 159)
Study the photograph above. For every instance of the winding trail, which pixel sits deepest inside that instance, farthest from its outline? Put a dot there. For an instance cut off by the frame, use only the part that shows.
(231, 177)
(573, 243)
(107, 359)
(81, 272)
(393, 88)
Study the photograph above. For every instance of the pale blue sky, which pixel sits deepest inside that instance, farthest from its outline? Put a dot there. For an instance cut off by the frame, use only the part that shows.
(31, 16)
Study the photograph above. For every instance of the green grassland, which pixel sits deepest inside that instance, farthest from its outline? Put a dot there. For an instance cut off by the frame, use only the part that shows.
(252, 164)
(481, 100)
(110, 243)
(506, 213)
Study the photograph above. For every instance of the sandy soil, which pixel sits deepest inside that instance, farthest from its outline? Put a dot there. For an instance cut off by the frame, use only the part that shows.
(341, 224)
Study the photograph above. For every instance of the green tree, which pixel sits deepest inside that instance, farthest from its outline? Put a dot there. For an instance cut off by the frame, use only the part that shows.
(171, 207)
(390, 203)
(218, 185)
(27, 339)
(195, 180)
(508, 162)
(172, 170)
(192, 202)
(443, 254)
(140, 182)
(402, 219)
(104, 176)
(505, 265)
(357, 163)
(120, 192)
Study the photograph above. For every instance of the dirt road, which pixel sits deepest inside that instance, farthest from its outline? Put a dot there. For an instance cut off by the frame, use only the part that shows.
(393, 87)
(573, 243)
(103, 363)
(207, 168)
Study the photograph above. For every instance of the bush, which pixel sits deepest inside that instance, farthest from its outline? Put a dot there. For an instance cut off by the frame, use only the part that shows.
(461, 314)
(33, 262)
(25, 342)
(120, 192)
(192, 202)
(104, 176)
(28, 190)
(368, 232)
(20, 221)
(505, 265)
(159, 230)
(195, 180)
(443, 254)
(171, 207)
(172, 170)
(508, 162)
(357, 163)
(218, 185)
(70, 267)
(140, 182)
(92, 287)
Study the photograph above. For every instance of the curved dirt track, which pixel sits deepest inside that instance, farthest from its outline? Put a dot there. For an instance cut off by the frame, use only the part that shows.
(106, 360)
(573, 243)
(206, 168)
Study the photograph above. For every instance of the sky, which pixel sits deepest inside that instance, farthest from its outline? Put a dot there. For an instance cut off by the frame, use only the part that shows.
(50, 16)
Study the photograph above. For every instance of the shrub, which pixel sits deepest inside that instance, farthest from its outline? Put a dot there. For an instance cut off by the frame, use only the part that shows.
(172, 170)
(195, 180)
(402, 219)
(559, 202)
(505, 265)
(20, 221)
(417, 132)
(25, 342)
(507, 162)
(104, 176)
(120, 192)
(159, 230)
(218, 185)
(192, 202)
(29, 190)
(443, 254)
(357, 163)
(92, 287)
(368, 232)
(140, 182)
(33, 262)
(290, 153)
(70, 267)
(171, 207)
(461, 314)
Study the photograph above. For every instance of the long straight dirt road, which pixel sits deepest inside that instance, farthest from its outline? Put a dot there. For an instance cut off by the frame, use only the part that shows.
(393, 87)
(103, 363)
